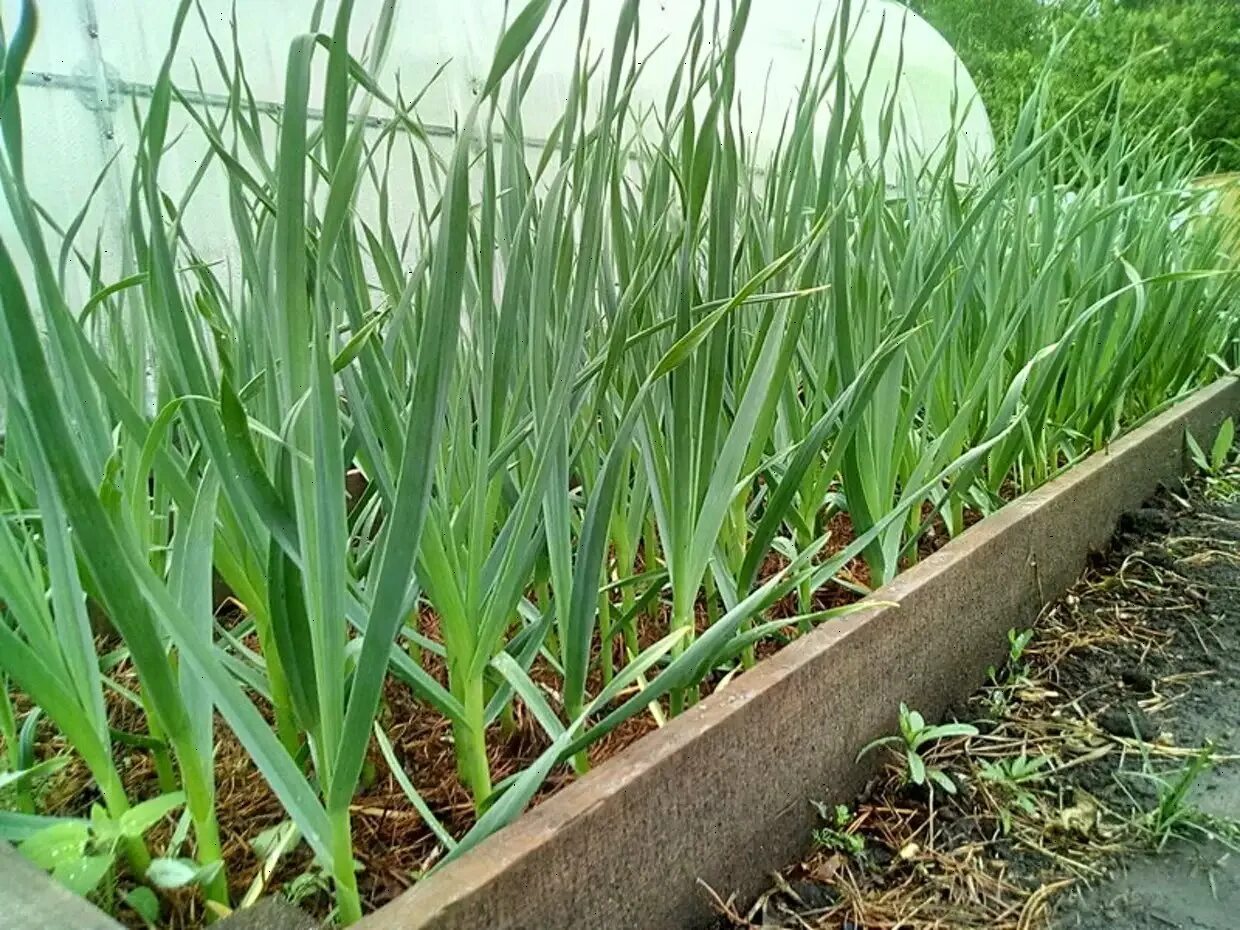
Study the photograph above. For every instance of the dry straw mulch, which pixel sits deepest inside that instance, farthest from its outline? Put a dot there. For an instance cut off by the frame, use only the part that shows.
(1122, 676)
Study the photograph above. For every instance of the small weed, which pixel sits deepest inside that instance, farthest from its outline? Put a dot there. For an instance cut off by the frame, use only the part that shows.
(1174, 815)
(1020, 770)
(81, 854)
(997, 703)
(1015, 670)
(1011, 778)
(1220, 451)
(835, 834)
(914, 736)
(311, 883)
(1018, 642)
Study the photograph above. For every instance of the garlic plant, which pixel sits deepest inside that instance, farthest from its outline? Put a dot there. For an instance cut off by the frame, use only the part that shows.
(604, 403)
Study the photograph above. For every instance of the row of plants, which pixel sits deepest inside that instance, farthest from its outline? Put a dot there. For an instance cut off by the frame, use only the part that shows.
(607, 410)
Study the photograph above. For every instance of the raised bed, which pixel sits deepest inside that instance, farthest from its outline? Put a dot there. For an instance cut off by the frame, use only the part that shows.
(719, 794)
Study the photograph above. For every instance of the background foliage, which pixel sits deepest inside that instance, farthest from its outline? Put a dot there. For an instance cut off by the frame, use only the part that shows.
(1183, 55)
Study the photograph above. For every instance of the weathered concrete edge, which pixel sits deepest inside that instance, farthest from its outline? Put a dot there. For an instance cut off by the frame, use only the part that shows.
(719, 795)
(31, 900)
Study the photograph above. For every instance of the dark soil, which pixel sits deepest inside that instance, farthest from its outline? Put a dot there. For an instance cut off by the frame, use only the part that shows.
(1128, 679)
(1191, 885)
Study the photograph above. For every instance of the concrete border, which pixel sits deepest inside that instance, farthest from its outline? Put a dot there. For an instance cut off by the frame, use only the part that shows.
(31, 900)
(720, 794)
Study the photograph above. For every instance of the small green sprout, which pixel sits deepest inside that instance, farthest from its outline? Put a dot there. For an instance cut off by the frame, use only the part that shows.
(913, 737)
(1011, 777)
(1015, 669)
(1220, 451)
(81, 854)
(835, 835)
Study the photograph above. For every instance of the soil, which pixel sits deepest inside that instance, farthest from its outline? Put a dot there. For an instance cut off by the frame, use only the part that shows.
(1191, 885)
(1195, 887)
(1128, 680)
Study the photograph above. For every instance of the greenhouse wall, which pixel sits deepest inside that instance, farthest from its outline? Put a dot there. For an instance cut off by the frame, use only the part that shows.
(94, 63)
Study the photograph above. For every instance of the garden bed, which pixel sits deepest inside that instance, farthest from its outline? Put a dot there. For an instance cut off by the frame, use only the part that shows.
(395, 845)
(795, 723)
(508, 470)
(1109, 738)
(790, 728)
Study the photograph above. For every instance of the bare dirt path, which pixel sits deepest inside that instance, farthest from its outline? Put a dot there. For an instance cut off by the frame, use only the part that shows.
(1195, 886)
